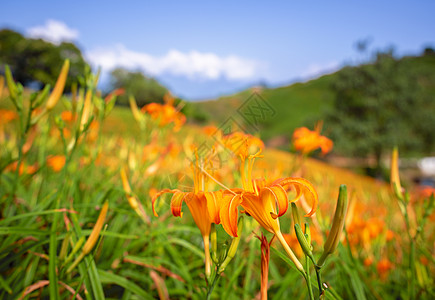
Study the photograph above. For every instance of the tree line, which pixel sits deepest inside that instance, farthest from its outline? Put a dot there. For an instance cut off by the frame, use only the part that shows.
(35, 63)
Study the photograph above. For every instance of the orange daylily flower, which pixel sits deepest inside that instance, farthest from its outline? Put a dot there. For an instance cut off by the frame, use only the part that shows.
(203, 205)
(211, 130)
(68, 116)
(56, 162)
(6, 116)
(165, 114)
(114, 93)
(383, 267)
(265, 203)
(242, 144)
(305, 140)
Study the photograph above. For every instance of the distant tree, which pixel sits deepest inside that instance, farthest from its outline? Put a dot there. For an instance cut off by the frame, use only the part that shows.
(143, 88)
(380, 105)
(428, 51)
(38, 61)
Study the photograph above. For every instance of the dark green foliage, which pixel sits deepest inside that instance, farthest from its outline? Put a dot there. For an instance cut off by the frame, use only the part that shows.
(37, 61)
(144, 89)
(194, 112)
(381, 105)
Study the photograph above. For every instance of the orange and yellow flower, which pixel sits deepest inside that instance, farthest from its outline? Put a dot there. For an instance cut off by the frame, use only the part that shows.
(165, 113)
(203, 205)
(306, 141)
(265, 202)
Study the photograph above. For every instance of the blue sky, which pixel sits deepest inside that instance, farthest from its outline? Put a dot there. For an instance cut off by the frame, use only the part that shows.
(202, 49)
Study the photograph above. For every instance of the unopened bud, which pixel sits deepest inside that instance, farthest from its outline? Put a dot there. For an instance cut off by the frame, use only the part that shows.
(11, 83)
(337, 225)
(58, 88)
(92, 240)
(394, 175)
(233, 247)
(306, 247)
(308, 233)
(2, 84)
(41, 96)
(135, 110)
(295, 214)
(86, 110)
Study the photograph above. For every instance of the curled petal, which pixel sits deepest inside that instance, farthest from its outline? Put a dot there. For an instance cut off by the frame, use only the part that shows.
(177, 202)
(229, 213)
(302, 186)
(158, 195)
(281, 198)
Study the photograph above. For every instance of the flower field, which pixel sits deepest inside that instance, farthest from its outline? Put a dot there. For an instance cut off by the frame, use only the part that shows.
(105, 202)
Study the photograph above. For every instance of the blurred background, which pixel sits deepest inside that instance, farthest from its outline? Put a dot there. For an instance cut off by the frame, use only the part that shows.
(367, 70)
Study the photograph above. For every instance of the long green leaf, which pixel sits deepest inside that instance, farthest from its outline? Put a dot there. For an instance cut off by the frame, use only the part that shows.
(110, 278)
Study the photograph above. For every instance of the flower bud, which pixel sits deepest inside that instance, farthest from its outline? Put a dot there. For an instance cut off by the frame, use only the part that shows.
(233, 247)
(337, 225)
(10, 82)
(306, 247)
(394, 176)
(295, 214)
(58, 88)
(40, 98)
(135, 110)
(92, 240)
(2, 84)
(308, 233)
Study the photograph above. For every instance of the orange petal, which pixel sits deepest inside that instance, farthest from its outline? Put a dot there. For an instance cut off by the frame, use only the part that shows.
(302, 186)
(158, 195)
(214, 203)
(229, 214)
(281, 198)
(325, 144)
(177, 202)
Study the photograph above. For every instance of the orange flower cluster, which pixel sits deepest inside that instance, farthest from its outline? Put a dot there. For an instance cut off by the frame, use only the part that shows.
(383, 267)
(165, 113)
(24, 168)
(363, 232)
(306, 141)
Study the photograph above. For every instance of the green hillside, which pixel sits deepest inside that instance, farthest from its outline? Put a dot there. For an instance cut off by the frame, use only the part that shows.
(301, 103)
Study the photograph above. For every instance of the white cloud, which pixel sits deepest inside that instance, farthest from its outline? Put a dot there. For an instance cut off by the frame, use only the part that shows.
(192, 64)
(53, 31)
(315, 70)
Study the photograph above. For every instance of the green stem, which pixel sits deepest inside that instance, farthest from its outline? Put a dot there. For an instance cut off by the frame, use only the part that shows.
(411, 250)
(215, 279)
(319, 280)
(308, 278)
(412, 266)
